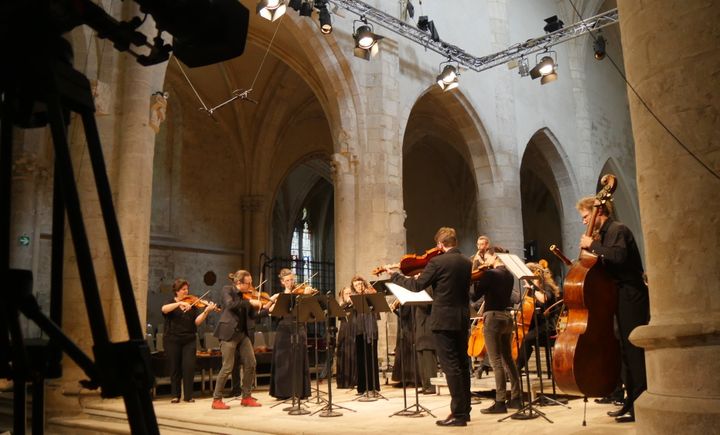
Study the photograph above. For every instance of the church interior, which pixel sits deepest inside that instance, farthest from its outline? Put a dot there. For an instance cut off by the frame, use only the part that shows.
(299, 148)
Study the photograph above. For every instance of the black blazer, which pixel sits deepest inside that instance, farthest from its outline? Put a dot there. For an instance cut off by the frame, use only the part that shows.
(449, 276)
(235, 310)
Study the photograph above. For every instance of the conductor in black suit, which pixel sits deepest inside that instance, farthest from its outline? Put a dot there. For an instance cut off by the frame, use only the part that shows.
(449, 276)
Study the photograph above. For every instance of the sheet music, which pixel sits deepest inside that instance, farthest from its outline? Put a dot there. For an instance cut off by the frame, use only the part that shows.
(405, 296)
(516, 266)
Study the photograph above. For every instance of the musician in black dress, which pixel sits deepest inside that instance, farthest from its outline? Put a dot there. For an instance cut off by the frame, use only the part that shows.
(366, 338)
(289, 365)
(615, 244)
(449, 276)
(181, 322)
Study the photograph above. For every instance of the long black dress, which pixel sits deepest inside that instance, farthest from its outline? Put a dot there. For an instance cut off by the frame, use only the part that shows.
(403, 348)
(285, 365)
(347, 371)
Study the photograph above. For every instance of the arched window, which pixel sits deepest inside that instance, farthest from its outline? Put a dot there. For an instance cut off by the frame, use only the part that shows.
(301, 246)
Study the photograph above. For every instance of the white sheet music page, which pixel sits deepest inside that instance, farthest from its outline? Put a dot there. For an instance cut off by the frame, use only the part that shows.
(405, 296)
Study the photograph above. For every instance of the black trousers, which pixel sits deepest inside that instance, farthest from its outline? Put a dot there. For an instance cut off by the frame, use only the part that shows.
(367, 358)
(633, 311)
(181, 364)
(451, 350)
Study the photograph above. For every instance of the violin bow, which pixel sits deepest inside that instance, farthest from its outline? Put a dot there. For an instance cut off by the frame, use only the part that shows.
(199, 298)
(304, 282)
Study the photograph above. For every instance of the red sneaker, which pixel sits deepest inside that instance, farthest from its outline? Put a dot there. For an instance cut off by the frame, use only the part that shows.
(249, 401)
(219, 404)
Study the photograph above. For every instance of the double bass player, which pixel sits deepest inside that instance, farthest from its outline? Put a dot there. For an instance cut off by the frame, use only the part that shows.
(616, 246)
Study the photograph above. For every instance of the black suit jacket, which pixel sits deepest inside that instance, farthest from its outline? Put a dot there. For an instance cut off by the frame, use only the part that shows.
(236, 313)
(449, 276)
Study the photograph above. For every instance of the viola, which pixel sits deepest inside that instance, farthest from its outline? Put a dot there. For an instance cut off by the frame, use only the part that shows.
(586, 356)
(196, 301)
(411, 264)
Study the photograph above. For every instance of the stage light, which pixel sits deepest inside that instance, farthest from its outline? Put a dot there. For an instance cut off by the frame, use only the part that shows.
(428, 26)
(448, 78)
(366, 42)
(599, 47)
(306, 9)
(553, 24)
(271, 10)
(324, 17)
(545, 66)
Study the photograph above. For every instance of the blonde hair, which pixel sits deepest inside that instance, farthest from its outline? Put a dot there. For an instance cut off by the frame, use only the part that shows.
(447, 237)
(545, 276)
(588, 203)
(239, 276)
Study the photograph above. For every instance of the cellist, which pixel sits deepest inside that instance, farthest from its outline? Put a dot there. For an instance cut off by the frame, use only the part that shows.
(496, 285)
(616, 246)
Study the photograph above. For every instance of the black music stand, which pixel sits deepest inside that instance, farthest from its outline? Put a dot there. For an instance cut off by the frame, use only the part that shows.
(369, 304)
(333, 311)
(419, 411)
(518, 268)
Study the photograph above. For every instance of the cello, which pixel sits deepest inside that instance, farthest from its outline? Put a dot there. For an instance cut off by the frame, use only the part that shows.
(586, 355)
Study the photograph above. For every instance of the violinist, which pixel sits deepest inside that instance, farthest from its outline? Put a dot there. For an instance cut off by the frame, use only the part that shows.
(496, 284)
(545, 292)
(281, 374)
(615, 245)
(181, 322)
(366, 338)
(236, 330)
(449, 275)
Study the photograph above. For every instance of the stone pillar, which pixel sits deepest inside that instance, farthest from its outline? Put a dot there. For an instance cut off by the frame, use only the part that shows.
(672, 58)
(344, 181)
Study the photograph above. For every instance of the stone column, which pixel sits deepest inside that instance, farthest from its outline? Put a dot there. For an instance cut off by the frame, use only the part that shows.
(344, 181)
(672, 58)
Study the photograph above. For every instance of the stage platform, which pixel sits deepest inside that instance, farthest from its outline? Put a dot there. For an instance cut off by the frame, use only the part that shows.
(108, 416)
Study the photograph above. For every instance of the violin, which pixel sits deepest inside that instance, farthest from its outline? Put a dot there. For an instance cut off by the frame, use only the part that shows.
(410, 264)
(303, 289)
(196, 301)
(253, 293)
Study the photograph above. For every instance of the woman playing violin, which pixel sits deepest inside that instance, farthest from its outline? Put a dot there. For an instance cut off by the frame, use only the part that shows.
(366, 338)
(181, 322)
(281, 374)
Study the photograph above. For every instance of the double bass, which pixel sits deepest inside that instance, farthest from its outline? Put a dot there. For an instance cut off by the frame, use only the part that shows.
(586, 356)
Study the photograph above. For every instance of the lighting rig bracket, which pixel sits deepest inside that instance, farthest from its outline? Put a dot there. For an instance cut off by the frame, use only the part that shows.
(465, 59)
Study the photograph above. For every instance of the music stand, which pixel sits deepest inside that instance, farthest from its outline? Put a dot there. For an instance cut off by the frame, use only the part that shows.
(412, 299)
(333, 311)
(364, 304)
(517, 267)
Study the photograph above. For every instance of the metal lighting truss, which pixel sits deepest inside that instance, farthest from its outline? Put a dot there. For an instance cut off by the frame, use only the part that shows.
(456, 54)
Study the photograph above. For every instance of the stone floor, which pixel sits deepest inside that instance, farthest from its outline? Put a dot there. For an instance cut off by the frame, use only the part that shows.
(368, 417)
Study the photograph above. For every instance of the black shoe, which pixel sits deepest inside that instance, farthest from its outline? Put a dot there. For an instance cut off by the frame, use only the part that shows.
(605, 400)
(622, 411)
(514, 403)
(496, 408)
(453, 421)
(429, 390)
(628, 418)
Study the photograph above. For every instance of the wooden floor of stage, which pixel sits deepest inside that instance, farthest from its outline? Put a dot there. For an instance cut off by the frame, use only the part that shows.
(107, 416)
